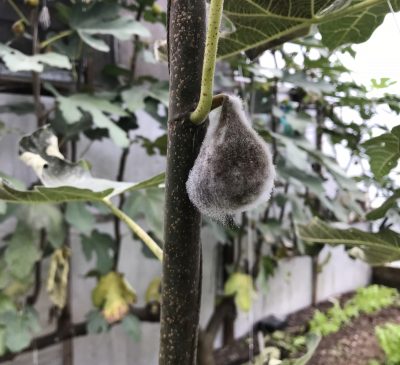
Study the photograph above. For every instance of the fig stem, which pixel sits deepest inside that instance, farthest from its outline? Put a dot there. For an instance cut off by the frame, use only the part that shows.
(217, 101)
(210, 55)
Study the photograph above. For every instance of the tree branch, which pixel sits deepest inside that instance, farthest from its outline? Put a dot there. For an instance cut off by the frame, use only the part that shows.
(117, 221)
(32, 299)
(225, 309)
(182, 249)
(40, 343)
(136, 44)
(36, 83)
(125, 151)
(145, 314)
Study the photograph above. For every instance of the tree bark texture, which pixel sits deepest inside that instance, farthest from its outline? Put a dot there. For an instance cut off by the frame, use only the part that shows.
(181, 286)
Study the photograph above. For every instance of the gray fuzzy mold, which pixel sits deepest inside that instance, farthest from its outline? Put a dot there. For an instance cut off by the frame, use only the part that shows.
(234, 171)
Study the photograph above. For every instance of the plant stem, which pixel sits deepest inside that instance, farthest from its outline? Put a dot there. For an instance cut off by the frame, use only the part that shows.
(19, 12)
(135, 228)
(136, 45)
(210, 56)
(125, 152)
(36, 82)
(56, 37)
(117, 221)
(32, 299)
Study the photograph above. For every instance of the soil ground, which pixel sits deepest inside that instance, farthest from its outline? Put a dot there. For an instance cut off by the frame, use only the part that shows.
(354, 344)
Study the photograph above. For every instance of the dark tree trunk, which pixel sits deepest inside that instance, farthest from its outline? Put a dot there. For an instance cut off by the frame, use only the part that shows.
(181, 284)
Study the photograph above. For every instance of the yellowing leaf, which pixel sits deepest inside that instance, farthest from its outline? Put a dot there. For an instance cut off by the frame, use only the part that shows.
(241, 286)
(57, 279)
(17, 288)
(6, 304)
(114, 295)
(153, 291)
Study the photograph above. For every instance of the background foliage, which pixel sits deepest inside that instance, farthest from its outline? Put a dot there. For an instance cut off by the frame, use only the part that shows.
(300, 106)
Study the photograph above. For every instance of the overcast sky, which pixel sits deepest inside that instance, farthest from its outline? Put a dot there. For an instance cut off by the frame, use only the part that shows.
(380, 55)
(377, 58)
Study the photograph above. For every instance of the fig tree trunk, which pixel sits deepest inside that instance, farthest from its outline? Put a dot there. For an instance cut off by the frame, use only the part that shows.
(181, 285)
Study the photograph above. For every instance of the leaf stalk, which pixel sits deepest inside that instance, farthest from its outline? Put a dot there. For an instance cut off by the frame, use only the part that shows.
(55, 38)
(210, 56)
(135, 228)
